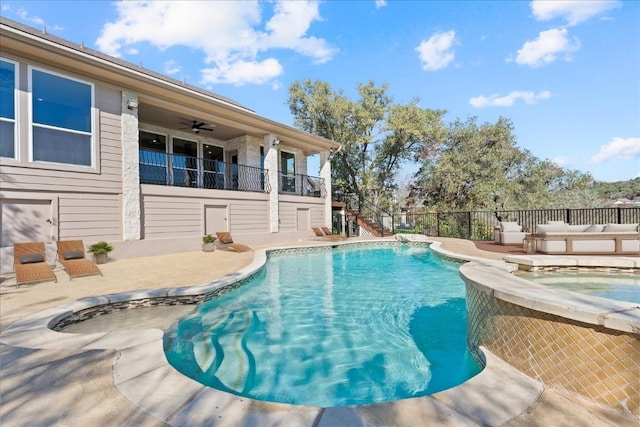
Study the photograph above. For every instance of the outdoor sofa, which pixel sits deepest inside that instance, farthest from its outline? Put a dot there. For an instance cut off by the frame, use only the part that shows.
(595, 239)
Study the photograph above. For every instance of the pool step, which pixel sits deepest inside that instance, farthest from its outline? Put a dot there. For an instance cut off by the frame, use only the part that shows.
(222, 350)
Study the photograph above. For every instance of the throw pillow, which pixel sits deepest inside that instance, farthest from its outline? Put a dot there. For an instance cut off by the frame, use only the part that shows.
(609, 228)
(507, 226)
(577, 228)
(72, 255)
(552, 228)
(595, 228)
(31, 258)
(555, 222)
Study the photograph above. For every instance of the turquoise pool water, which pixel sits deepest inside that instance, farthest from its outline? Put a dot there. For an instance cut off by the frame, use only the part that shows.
(618, 286)
(332, 328)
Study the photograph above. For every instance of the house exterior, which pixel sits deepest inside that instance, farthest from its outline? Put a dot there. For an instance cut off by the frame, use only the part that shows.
(96, 148)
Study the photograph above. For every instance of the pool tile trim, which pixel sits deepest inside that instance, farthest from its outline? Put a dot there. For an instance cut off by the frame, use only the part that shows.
(506, 312)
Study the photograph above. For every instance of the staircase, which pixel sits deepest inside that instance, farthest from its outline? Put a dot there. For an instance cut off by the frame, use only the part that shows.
(364, 219)
(377, 230)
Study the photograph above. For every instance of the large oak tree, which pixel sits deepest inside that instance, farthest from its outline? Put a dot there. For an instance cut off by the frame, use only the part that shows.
(378, 136)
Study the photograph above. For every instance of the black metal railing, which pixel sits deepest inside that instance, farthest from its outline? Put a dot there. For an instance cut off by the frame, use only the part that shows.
(478, 225)
(362, 211)
(160, 168)
(302, 185)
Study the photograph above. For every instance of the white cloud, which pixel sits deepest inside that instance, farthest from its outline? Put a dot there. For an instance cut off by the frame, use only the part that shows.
(437, 52)
(288, 26)
(239, 73)
(573, 11)
(495, 100)
(561, 161)
(231, 35)
(618, 148)
(549, 46)
(380, 4)
(23, 14)
(172, 67)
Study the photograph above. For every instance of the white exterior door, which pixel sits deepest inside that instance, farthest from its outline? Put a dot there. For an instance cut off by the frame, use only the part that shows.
(303, 218)
(25, 221)
(215, 219)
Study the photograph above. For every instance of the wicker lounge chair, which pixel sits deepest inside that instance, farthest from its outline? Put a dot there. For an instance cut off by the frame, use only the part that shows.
(72, 257)
(322, 235)
(226, 241)
(30, 263)
(329, 233)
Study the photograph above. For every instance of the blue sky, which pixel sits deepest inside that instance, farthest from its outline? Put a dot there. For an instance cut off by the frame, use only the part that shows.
(567, 73)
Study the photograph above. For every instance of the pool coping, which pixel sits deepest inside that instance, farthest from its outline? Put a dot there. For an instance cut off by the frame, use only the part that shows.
(499, 393)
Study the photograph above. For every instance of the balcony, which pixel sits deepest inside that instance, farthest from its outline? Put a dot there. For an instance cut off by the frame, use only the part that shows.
(160, 168)
(302, 185)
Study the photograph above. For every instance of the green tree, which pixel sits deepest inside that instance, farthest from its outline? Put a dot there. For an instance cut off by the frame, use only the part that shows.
(377, 135)
(481, 167)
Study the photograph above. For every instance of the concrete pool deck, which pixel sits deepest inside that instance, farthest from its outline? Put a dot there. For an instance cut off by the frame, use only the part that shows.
(122, 378)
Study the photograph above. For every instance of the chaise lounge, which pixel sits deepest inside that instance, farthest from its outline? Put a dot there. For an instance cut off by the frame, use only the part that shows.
(72, 257)
(30, 263)
(329, 233)
(226, 241)
(321, 234)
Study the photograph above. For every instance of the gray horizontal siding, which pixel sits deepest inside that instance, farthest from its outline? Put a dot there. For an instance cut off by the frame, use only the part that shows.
(170, 217)
(249, 216)
(289, 217)
(90, 217)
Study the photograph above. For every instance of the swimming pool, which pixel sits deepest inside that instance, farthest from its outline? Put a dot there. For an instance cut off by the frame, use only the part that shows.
(332, 328)
(617, 286)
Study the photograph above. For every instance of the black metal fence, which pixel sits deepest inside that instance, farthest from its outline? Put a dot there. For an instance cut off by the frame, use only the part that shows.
(160, 168)
(478, 225)
(303, 185)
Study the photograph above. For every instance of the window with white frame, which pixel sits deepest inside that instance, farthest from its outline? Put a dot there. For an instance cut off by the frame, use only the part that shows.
(8, 90)
(61, 118)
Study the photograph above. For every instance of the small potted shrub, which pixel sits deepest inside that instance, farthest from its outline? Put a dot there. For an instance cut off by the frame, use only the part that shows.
(100, 251)
(209, 243)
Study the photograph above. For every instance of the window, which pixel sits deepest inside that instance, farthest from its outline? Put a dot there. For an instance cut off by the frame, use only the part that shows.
(7, 109)
(61, 111)
(185, 163)
(261, 166)
(153, 158)
(288, 167)
(212, 166)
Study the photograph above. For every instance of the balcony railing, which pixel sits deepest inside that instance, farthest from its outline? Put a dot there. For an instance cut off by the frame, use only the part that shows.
(160, 168)
(302, 185)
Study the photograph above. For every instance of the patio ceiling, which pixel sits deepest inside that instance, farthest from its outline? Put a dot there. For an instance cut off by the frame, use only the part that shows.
(175, 120)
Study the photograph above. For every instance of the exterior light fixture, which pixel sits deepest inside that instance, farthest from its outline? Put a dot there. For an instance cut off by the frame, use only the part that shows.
(132, 104)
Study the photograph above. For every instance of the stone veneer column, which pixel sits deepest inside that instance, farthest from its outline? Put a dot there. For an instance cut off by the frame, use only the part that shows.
(130, 170)
(271, 165)
(325, 173)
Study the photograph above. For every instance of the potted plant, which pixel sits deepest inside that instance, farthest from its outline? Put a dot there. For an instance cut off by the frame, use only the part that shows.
(100, 251)
(208, 243)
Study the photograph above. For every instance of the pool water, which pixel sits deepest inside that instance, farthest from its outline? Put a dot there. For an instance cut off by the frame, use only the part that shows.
(332, 328)
(617, 286)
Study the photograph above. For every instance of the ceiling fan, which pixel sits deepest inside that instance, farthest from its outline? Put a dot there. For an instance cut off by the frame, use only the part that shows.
(196, 126)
